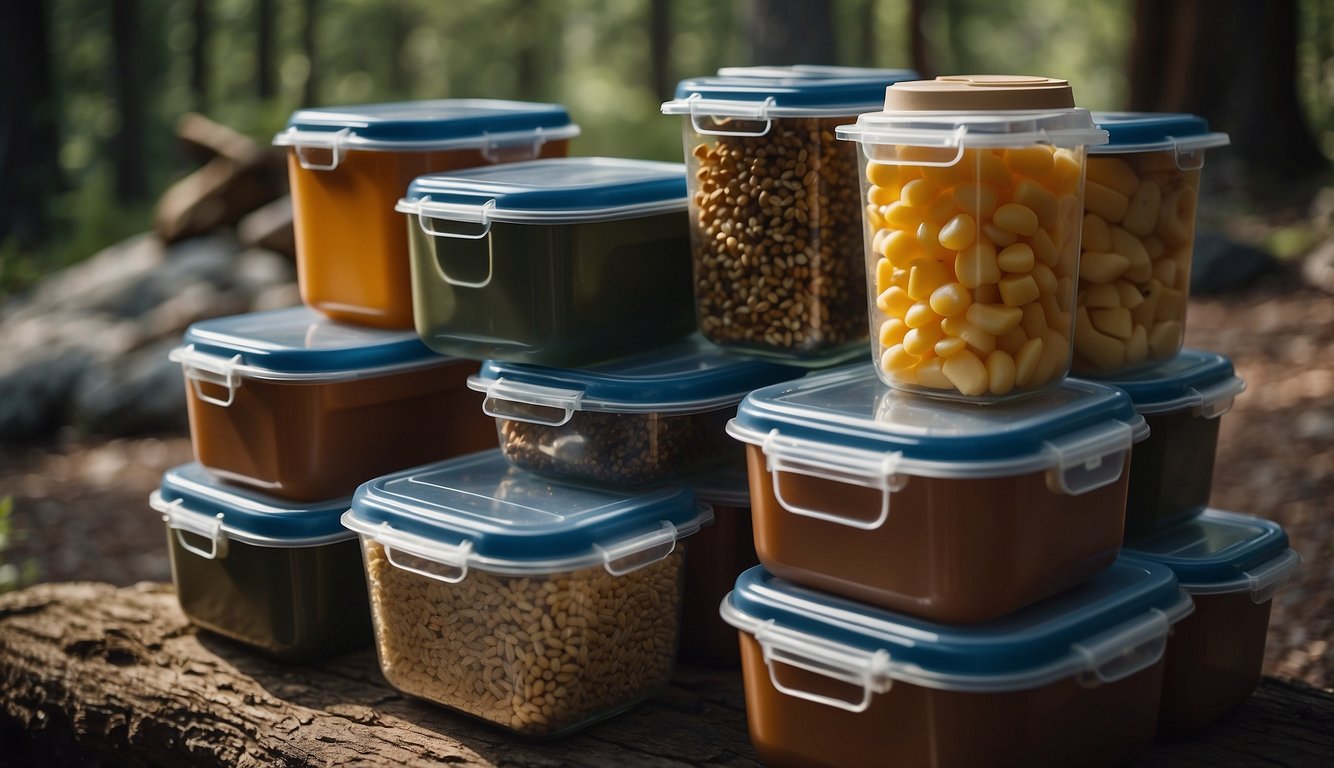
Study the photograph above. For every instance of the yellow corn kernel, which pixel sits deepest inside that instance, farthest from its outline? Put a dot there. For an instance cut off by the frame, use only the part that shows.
(987, 293)
(1065, 293)
(976, 264)
(1113, 173)
(966, 372)
(959, 232)
(1171, 306)
(995, 319)
(1142, 214)
(1102, 267)
(1051, 310)
(1137, 347)
(1154, 246)
(1096, 237)
(1065, 173)
(919, 193)
(1016, 218)
(991, 169)
(1105, 201)
(944, 176)
(1165, 340)
(942, 210)
(1055, 360)
(1176, 218)
(1069, 217)
(896, 359)
(883, 272)
(928, 236)
(1034, 162)
(950, 345)
(878, 195)
(1016, 258)
(1102, 296)
(1044, 249)
(977, 339)
(1147, 311)
(931, 374)
(892, 332)
(1018, 290)
(1165, 271)
(975, 198)
(1013, 340)
(1115, 322)
(1034, 322)
(873, 218)
(1105, 352)
(919, 315)
(1001, 237)
(901, 248)
(1140, 267)
(925, 276)
(882, 174)
(1038, 199)
(1026, 361)
(953, 326)
(894, 301)
(922, 341)
(950, 299)
(1129, 295)
(1000, 372)
(902, 216)
(899, 277)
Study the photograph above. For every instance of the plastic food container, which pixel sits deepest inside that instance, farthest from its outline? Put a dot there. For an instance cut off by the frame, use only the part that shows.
(973, 201)
(936, 508)
(348, 165)
(279, 576)
(1073, 680)
(639, 419)
(1183, 401)
(552, 262)
(1138, 241)
(774, 212)
(304, 408)
(1231, 565)
(532, 606)
(718, 554)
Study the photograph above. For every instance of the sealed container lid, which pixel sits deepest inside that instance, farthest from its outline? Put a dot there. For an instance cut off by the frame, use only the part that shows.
(726, 486)
(846, 425)
(1218, 552)
(1107, 628)
(560, 190)
(477, 511)
(959, 111)
(486, 124)
(193, 501)
(885, 75)
(798, 95)
(687, 376)
(1194, 379)
(1154, 131)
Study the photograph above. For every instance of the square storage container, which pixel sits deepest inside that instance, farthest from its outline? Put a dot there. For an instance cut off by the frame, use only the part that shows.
(536, 607)
(973, 199)
(718, 554)
(552, 262)
(1073, 680)
(347, 166)
(1182, 400)
(282, 577)
(1231, 565)
(1138, 240)
(935, 508)
(774, 212)
(301, 407)
(635, 420)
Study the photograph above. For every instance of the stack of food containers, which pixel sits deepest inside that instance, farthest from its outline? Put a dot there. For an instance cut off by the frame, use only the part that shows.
(290, 410)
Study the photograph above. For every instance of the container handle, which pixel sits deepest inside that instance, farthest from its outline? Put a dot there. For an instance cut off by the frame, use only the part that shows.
(304, 141)
(181, 521)
(1217, 399)
(505, 400)
(1090, 458)
(863, 670)
(1271, 576)
(203, 367)
(428, 210)
(927, 139)
(396, 544)
(496, 149)
(869, 469)
(736, 110)
(1123, 650)
(632, 554)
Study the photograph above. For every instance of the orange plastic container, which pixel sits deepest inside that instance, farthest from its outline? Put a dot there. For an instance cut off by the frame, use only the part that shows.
(349, 165)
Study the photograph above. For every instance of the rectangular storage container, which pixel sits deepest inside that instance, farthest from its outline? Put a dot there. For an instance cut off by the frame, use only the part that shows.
(936, 508)
(718, 554)
(282, 577)
(554, 262)
(973, 199)
(1073, 680)
(1183, 400)
(536, 607)
(774, 212)
(634, 420)
(349, 164)
(1231, 565)
(301, 407)
(1138, 240)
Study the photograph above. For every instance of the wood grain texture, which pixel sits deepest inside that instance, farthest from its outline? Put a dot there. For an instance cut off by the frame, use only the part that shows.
(96, 675)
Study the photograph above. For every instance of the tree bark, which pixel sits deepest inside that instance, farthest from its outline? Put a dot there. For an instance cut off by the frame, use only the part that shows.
(264, 59)
(29, 124)
(127, 87)
(95, 673)
(791, 32)
(918, 47)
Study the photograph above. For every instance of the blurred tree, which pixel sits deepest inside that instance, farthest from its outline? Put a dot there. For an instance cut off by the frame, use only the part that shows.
(264, 53)
(660, 51)
(310, 91)
(199, 56)
(29, 122)
(920, 58)
(127, 87)
(791, 32)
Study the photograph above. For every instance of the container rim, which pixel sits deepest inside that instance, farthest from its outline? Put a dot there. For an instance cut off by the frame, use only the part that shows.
(572, 400)
(1072, 127)
(346, 138)
(203, 366)
(179, 517)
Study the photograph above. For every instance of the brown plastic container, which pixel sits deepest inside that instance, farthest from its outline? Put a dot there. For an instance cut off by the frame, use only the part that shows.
(1074, 680)
(718, 554)
(349, 165)
(938, 509)
(302, 408)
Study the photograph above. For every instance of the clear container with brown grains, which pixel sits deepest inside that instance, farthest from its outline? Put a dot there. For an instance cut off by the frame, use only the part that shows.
(774, 211)
(533, 606)
(973, 200)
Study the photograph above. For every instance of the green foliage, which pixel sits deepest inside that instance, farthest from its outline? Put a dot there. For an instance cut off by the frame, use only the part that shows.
(12, 576)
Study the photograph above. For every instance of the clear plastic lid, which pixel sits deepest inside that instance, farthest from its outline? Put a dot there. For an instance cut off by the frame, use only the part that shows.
(1194, 379)
(686, 376)
(848, 426)
(477, 511)
(1107, 628)
(193, 501)
(1156, 131)
(1219, 552)
(559, 190)
(762, 98)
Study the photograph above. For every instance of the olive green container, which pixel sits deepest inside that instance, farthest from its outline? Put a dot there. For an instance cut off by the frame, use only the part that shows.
(561, 262)
(282, 577)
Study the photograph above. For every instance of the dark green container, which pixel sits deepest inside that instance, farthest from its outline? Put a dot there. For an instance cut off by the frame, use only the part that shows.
(560, 262)
(282, 577)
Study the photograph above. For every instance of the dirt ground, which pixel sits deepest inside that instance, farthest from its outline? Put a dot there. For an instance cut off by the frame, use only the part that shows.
(80, 510)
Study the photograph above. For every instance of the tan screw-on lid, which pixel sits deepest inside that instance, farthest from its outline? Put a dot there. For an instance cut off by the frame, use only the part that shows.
(979, 92)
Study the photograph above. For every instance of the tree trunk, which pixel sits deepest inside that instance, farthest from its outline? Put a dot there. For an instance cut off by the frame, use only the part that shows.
(527, 53)
(918, 47)
(264, 69)
(791, 32)
(127, 87)
(660, 48)
(310, 93)
(29, 124)
(199, 56)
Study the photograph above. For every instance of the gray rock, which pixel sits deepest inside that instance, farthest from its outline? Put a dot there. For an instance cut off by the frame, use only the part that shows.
(1318, 267)
(1222, 265)
(135, 393)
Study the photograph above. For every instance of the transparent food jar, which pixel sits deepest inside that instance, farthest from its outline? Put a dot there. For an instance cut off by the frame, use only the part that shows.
(774, 212)
(536, 607)
(973, 201)
(1140, 197)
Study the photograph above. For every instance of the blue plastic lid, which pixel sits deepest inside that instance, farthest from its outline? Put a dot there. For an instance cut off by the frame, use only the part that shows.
(1222, 552)
(846, 421)
(1192, 379)
(799, 95)
(192, 500)
(1151, 131)
(554, 190)
(298, 343)
(687, 376)
(1110, 626)
(885, 75)
(478, 511)
(437, 124)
